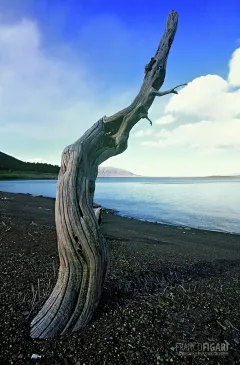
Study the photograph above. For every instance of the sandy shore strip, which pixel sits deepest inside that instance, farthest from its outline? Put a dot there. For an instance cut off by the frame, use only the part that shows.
(166, 286)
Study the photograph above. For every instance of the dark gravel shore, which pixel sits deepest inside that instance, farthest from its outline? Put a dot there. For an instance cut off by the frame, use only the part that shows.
(165, 286)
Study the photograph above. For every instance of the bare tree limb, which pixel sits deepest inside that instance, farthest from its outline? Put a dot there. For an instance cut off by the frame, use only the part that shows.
(170, 91)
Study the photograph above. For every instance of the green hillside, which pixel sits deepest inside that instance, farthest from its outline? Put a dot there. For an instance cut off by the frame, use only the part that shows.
(12, 168)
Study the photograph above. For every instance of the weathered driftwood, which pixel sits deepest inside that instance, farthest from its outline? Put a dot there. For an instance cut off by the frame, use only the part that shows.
(82, 249)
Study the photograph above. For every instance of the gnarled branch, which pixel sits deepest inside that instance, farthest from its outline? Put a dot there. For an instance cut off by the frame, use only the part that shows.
(81, 245)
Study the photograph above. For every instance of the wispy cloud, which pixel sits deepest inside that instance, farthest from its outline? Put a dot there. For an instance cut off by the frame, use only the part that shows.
(166, 119)
(205, 134)
(36, 160)
(143, 133)
(47, 101)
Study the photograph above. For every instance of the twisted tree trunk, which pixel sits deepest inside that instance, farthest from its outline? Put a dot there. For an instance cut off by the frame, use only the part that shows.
(82, 248)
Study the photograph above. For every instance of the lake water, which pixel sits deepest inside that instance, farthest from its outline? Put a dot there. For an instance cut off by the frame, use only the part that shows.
(195, 202)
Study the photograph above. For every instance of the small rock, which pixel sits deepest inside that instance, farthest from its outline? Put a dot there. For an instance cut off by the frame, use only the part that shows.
(35, 357)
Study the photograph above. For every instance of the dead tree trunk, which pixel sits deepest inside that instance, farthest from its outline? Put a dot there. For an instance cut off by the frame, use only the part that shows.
(82, 248)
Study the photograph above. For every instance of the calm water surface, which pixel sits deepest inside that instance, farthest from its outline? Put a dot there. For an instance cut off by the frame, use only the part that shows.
(201, 203)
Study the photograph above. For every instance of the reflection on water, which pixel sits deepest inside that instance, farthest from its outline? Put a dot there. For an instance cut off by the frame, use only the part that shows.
(201, 203)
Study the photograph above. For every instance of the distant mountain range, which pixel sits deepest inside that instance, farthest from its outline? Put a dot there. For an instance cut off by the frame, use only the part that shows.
(223, 176)
(11, 164)
(114, 172)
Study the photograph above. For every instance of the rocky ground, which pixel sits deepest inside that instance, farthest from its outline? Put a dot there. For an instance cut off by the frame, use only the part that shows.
(166, 287)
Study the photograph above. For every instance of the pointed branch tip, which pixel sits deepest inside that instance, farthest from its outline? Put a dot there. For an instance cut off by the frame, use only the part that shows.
(174, 91)
(149, 120)
(170, 91)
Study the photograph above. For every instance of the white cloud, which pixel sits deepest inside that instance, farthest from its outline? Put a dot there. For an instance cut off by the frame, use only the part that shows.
(34, 88)
(36, 160)
(234, 69)
(206, 97)
(166, 119)
(214, 109)
(204, 134)
(143, 133)
(44, 98)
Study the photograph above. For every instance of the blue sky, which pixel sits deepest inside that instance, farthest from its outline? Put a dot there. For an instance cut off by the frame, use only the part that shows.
(63, 65)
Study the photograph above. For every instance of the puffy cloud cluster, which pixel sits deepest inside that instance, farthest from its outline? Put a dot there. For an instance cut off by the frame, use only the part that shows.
(214, 108)
(234, 69)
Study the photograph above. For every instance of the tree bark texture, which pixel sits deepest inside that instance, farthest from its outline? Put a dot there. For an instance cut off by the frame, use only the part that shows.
(82, 248)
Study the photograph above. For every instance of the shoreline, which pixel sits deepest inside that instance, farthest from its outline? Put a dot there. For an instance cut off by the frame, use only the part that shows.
(27, 176)
(118, 213)
(164, 286)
